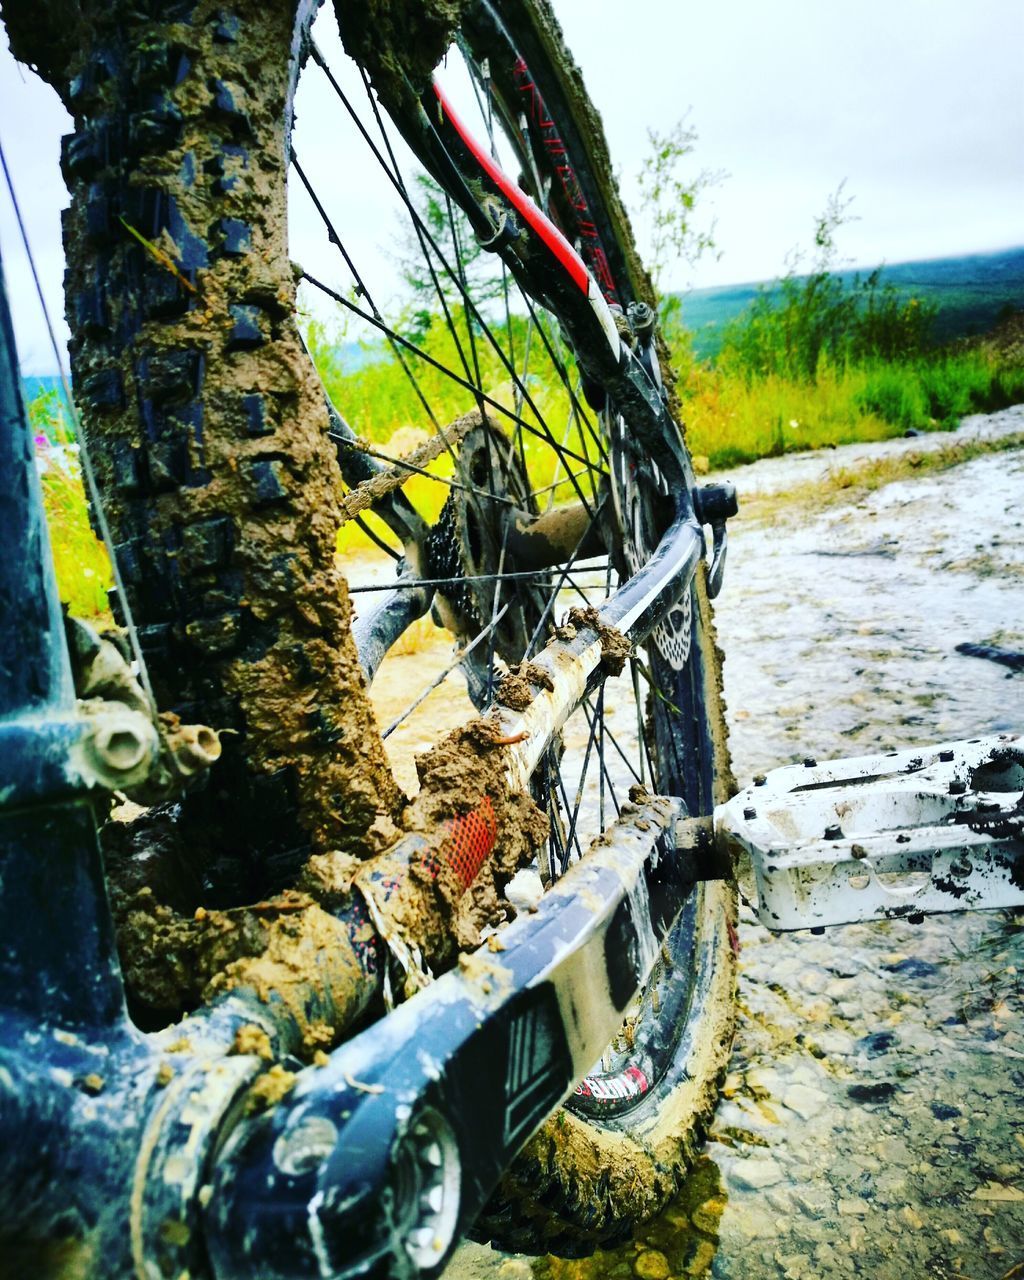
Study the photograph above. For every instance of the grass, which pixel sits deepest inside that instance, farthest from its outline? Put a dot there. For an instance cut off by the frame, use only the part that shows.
(731, 420)
(80, 560)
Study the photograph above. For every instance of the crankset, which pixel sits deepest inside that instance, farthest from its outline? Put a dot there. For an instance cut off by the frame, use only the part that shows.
(380, 1161)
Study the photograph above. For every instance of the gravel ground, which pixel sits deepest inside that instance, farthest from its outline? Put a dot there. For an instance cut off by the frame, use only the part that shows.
(871, 1121)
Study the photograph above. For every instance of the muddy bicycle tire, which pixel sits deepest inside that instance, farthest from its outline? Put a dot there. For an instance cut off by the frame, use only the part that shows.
(207, 426)
(585, 1179)
(209, 432)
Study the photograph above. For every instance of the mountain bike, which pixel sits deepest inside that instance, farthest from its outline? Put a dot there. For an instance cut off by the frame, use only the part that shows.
(375, 1040)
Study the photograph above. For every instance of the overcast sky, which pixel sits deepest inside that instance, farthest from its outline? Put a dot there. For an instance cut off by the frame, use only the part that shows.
(917, 104)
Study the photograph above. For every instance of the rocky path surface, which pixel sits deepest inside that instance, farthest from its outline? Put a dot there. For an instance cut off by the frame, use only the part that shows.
(872, 1122)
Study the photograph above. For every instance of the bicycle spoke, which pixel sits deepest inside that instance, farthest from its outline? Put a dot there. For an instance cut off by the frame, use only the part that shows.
(494, 610)
(482, 74)
(361, 289)
(539, 629)
(642, 736)
(457, 278)
(526, 574)
(461, 282)
(612, 739)
(417, 223)
(395, 341)
(603, 766)
(662, 707)
(583, 778)
(499, 498)
(460, 656)
(375, 538)
(563, 374)
(588, 712)
(396, 337)
(478, 73)
(547, 488)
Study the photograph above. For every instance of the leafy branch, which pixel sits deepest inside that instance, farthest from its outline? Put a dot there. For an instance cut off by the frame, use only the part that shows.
(670, 197)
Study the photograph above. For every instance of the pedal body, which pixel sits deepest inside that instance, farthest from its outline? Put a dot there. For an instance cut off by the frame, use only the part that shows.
(905, 834)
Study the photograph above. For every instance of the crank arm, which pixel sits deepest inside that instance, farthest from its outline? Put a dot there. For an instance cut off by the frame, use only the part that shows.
(901, 835)
(378, 1163)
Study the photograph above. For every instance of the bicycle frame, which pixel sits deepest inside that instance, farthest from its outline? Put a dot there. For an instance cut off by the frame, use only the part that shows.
(144, 1160)
(129, 1130)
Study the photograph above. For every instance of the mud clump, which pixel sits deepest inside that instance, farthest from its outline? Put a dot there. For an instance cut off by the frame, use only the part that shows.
(535, 674)
(474, 834)
(516, 689)
(253, 1040)
(487, 733)
(615, 648)
(169, 959)
(399, 44)
(291, 949)
(269, 1089)
(514, 692)
(459, 777)
(287, 949)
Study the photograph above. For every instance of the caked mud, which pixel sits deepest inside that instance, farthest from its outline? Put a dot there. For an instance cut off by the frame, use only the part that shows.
(289, 946)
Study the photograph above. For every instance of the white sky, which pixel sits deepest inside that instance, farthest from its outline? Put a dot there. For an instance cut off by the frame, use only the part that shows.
(918, 104)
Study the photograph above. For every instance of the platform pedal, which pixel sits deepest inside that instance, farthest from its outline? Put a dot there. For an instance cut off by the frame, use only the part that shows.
(900, 835)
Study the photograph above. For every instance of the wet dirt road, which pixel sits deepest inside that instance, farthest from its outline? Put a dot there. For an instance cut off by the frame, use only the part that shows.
(872, 1122)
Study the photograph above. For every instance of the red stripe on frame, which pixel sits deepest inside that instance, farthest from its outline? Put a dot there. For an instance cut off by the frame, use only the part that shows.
(520, 201)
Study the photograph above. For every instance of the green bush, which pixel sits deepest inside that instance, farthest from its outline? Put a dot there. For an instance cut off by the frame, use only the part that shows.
(792, 327)
(1008, 385)
(895, 394)
(939, 391)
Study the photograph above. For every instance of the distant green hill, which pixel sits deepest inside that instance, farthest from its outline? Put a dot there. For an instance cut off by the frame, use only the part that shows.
(969, 292)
